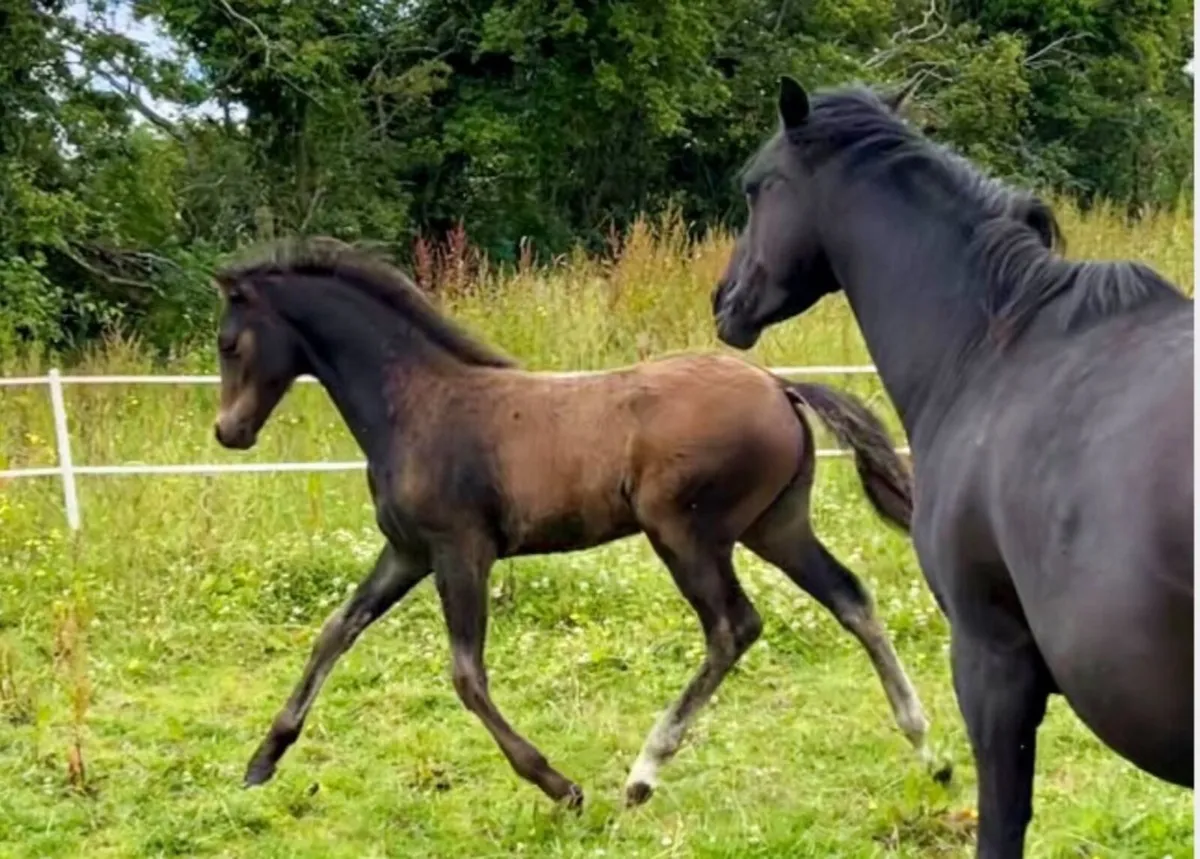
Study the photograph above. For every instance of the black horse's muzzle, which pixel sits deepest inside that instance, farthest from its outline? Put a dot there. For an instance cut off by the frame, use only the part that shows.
(732, 317)
(717, 298)
(238, 437)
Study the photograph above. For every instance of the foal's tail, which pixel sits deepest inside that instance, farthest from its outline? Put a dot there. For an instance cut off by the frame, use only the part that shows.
(884, 476)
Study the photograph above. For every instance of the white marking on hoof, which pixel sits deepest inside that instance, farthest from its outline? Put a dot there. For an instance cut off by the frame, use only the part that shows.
(662, 742)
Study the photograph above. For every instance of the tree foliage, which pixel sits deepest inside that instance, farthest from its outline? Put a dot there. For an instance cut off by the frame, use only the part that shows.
(128, 167)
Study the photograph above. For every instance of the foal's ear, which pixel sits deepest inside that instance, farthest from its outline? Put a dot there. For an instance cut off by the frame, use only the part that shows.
(793, 103)
(897, 100)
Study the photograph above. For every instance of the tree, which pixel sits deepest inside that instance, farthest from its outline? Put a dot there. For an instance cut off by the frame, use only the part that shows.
(127, 170)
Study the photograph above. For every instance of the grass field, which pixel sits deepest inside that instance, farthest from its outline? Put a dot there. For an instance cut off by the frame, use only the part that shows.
(141, 660)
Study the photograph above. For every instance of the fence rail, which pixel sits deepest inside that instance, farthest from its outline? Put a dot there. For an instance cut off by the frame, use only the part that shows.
(66, 470)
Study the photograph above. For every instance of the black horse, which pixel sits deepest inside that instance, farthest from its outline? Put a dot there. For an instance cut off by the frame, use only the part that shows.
(1048, 404)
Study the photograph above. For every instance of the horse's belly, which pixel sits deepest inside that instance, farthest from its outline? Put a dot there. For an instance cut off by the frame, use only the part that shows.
(570, 532)
(1120, 649)
(565, 520)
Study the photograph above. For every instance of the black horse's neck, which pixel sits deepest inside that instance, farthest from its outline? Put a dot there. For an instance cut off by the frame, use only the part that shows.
(360, 352)
(908, 279)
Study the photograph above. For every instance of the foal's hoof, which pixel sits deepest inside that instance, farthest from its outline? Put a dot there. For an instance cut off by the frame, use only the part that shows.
(636, 793)
(573, 800)
(260, 771)
(938, 764)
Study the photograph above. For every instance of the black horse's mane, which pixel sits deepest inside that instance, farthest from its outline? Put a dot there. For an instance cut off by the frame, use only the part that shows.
(375, 278)
(1014, 236)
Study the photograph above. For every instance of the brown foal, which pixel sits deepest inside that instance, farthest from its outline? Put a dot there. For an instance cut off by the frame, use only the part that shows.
(471, 459)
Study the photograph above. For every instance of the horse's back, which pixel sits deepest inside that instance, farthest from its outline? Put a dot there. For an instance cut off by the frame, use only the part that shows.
(578, 456)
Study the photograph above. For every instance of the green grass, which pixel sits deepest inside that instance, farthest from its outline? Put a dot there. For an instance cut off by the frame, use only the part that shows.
(142, 659)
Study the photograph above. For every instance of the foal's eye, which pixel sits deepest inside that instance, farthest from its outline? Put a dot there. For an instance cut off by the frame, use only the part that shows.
(227, 345)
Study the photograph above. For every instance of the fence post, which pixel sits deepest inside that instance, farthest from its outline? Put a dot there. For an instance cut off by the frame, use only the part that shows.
(63, 441)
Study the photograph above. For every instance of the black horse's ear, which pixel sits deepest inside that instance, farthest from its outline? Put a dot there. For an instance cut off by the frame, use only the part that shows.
(897, 100)
(234, 289)
(793, 103)
(1038, 215)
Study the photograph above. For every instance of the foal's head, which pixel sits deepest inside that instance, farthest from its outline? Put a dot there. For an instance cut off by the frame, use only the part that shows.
(316, 303)
(260, 357)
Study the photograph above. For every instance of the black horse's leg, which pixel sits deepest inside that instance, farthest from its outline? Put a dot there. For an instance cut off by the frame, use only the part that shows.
(790, 545)
(706, 578)
(461, 573)
(394, 575)
(1002, 691)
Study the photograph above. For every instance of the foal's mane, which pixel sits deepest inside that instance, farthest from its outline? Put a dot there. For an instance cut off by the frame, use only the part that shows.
(1014, 238)
(375, 278)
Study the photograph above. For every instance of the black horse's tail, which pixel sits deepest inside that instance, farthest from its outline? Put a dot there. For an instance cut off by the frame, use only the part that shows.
(885, 478)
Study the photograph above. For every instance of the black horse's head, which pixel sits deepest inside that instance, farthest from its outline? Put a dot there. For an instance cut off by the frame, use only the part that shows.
(260, 357)
(794, 184)
(779, 268)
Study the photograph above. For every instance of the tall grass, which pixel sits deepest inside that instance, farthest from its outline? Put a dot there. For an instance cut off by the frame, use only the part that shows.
(649, 297)
(653, 297)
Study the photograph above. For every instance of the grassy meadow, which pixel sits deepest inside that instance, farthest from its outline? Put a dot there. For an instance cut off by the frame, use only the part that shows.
(142, 659)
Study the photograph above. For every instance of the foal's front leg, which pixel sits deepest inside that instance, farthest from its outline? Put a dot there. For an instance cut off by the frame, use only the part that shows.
(461, 573)
(394, 575)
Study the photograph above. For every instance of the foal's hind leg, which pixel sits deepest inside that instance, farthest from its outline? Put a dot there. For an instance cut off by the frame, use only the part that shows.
(394, 576)
(706, 578)
(793, 548)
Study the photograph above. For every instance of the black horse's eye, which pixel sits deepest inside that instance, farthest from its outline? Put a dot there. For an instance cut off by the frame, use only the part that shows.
(756, 186)
(227, 345)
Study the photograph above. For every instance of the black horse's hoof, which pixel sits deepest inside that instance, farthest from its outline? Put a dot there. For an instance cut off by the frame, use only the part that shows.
(637, 793)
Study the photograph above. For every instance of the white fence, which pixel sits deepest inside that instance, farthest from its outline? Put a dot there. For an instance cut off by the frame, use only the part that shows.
(66, 470)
